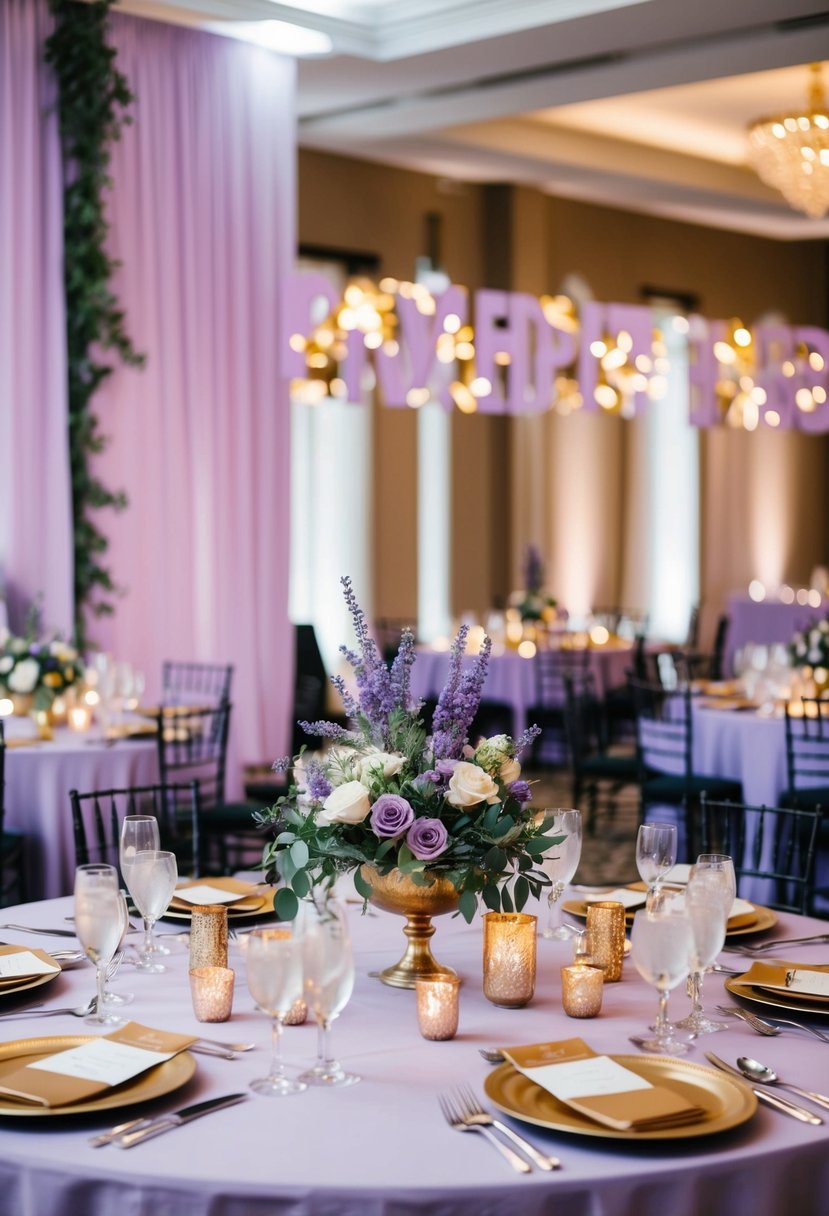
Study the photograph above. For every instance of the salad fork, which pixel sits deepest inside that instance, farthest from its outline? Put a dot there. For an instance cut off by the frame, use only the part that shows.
(452, 1116)
(767, 1028)
(472, 1112)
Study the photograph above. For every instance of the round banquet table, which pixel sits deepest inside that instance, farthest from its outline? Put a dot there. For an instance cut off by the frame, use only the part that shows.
(381, 1148)
(744, 745)
(39, 776)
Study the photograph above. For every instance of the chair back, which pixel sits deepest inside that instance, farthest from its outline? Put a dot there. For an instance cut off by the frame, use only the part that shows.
(775, 843)
(582, 721)
(310, 681)
(551, 668)
(195, 684)
(807, 745)
(663, 728)
(97, 816)
(192, 745)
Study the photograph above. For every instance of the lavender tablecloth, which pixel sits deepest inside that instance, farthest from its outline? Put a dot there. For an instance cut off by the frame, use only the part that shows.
(381, 1148)
(764, 623)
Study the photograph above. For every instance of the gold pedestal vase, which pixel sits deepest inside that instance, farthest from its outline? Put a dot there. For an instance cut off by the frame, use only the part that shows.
(395, 892)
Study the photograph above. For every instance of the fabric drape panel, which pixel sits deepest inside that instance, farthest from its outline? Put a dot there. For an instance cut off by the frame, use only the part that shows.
(202, 214)
(35, 502)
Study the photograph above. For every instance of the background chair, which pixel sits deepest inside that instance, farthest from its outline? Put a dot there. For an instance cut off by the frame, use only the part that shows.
(97, 816)
(598, 775)
(807, 771)
(12, 844)
(775, 843)
(552, 668)
(195, 684)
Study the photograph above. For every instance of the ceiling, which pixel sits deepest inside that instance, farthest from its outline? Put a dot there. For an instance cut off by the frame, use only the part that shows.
(640, 104)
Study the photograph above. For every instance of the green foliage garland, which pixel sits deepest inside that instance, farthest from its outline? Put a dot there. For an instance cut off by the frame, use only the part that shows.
(94, 97)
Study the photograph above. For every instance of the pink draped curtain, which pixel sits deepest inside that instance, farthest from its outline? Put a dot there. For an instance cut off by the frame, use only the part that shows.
(35, 504)
(202, 213)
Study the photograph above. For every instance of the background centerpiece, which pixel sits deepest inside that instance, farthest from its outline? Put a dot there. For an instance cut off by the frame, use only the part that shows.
(426, 821)
(34, 673)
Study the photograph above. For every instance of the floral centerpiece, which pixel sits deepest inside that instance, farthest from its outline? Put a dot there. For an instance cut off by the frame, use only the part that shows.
(533, 603)
(387, 795)
(809, 649)
(42, 670)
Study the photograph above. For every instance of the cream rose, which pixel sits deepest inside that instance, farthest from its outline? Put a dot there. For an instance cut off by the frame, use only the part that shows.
(470, 785)
(510, 771)
(383, 763)
(24, 677)
(348, 803)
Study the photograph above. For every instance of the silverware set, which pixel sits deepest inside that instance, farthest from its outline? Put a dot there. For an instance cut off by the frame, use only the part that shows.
(765, 1096)
(464, 1113)
(776, 943)
(770, 1028)
(135, 1131)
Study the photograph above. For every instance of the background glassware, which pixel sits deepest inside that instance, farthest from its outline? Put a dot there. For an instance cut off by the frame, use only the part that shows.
(99, 927)
(118, 998)
(655, 852)
(153, 877)
(139, 834)
(273, 962)
(329, 982)
(560, 865)
(709, 895)
(661, 947)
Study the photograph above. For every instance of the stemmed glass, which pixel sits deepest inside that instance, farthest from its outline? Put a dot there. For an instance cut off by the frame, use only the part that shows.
(329, 982)
(655, 853)
(152, 881)
(139, 834)
(273, 959)
(708, 898)
(661, 945)
(119, 998)
(99, 927)
(561, 865)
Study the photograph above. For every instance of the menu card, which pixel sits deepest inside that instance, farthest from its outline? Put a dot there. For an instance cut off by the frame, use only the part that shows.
(16, 962)
(600, 1088)
(92, 1067)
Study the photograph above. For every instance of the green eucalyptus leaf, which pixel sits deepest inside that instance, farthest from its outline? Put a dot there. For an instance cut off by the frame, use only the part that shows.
(521, 892)
(286, 904)
(468, 905)
(363, 888)
(299, 854)
(301, 884)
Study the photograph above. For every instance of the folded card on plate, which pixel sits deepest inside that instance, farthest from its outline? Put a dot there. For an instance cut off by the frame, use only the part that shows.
(18, 962)
(622, 895)
(204, 893)
(786, 977)
(97, 1065)
(601, 1088)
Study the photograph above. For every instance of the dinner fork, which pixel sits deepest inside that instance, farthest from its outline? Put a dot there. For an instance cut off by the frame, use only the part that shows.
(766, 1028)
(453, 1118)
(472, 1112)
(776, 942)
(34, 1011)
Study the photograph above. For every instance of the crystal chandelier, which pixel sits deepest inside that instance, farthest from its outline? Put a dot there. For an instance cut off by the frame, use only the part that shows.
(791, 152)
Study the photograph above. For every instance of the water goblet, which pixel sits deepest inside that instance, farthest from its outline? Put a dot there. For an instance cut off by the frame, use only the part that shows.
(655, 853)
(153, 877)
(118, 998)
(139, 834)
(98, 926)
(661, 945)
(560, 865)
(329, 982)
(709, 896)
(273, 963)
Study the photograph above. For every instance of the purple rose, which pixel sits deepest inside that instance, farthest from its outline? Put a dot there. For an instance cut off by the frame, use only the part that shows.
(446, 767)
(427, 839)
(391, 815)
(521, 791)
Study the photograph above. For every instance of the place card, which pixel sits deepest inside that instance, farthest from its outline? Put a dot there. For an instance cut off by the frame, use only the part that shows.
(15, 963)
(622, 895)
(205, 895)
(788, 978)
(600, 1088)
(92, 1067)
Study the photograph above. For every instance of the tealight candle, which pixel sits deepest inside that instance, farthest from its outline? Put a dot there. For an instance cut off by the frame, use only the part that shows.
(437, 1006)
(581, 990)
(6, 707)
(80, 717)
(606, 925)
(211, 989)
(208, 936)
(509, 958)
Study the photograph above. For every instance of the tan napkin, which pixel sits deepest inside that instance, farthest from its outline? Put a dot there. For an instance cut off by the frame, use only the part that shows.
(93, 1067)
(791, 979)
(600, 1088)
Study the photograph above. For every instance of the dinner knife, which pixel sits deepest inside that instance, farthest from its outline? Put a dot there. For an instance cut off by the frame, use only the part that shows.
(763, 1095)
(166, 1123)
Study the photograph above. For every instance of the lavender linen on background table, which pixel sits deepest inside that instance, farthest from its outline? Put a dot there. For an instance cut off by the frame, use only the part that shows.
(382, 1148)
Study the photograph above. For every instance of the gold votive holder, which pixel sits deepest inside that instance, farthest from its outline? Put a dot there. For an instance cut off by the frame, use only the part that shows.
(437, 1006)
(581, 990)
(43, 723)
(208, 936)
(509, 958)
(606, 926)
(297, 1014)
(80, 718)
(211, 989)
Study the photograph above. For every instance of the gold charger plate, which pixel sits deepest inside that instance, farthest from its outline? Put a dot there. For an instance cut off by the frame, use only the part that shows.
(251, 903)
(776, 999)
(725, 1101)
(162, 1079)
(750, 922)
(11, 987)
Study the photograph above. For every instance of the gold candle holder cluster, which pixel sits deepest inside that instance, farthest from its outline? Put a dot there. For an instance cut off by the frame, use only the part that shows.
(581, 990)
(509, 958)
(208, 936)
(437, 1006)
(606, 926)
(211, 989)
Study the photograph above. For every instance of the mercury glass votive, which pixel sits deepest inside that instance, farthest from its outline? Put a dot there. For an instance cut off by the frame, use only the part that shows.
(606, 926)
(437, 1006)
(581, 990)
(208, 936)
(80, 717)
(509, 958)
(211, 989)
(297, 1014)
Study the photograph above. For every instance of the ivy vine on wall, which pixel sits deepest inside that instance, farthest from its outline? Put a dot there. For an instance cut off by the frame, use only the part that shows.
(93, 101)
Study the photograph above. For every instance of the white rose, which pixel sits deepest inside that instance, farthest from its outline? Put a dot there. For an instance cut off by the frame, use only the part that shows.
(25, 676)
(510, 771)
(348, 803)
(6, 664)
(374, 763)
(470, 785)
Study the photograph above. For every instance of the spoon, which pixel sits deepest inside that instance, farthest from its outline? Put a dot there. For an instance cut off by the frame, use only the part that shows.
(492, 1055)
(755, 1071)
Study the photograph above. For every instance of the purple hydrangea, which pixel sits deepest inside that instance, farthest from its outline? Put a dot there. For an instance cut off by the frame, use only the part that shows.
(520, 791)
(427, 839)
(391, 815)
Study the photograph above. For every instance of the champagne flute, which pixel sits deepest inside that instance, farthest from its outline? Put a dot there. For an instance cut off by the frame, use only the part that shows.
(139, 834)
(98, 927)
(561, 865)
(655, 853)
(153, 877)
(709, 896)
(329, 982)
(273, 962)
(661, 945)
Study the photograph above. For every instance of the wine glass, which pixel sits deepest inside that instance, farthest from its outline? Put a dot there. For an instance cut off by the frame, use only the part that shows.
(708, 899)
(139, 834)
(655, 853)
(661, 945)
(561, 865)
(329, 982)
(273, 961)
(152, 881)
(98, 926)
(119, 998)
